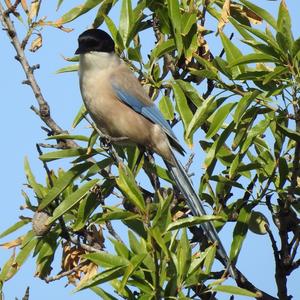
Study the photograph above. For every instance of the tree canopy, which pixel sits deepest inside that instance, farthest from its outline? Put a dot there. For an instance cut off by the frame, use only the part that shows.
(115, 216)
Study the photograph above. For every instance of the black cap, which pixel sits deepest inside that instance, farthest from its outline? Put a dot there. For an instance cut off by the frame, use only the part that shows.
(95, 40)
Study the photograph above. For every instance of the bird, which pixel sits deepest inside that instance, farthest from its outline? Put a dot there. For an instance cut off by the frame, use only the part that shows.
(122, 110)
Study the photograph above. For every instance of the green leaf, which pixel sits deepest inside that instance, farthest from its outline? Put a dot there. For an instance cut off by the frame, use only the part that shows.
(243, 104)
(234, 290)
(126, 19)
(71, 68)
(217, 145)
(106, 260)
(59, 3)
(263, 48)
(203, 73)
(114, 33)
(253, 58)
(116, 214)
(190, 92)
(175, 19)
(218, 118)
(103, 10)
(210, 257)
(15, 227)
(128, 186)
(240, 231)
(162, 48)
(182, 106)
(255, 132)
(130, 269)
(97, 167)
(283, 170)
(77, 11)
(184, 257)
(243, 32)
(92, 141)
(103, 294)
(294, 135)
(279, 70)
(258, 222)
(265, 15)
(222, 66)
(86, 207)
(71, 200)
(163, 217)
(232, 53)
(31, 180)
(296, 47)
(105, 276)
(225, 180)
(63, 182)
(166, 108)
(80, 115)
(64, 153)
(8, 269)
(207, 64)
(187, 21)
(68, 137)
(156, 234)
(266, 37)
(284, 36)
(192, 221)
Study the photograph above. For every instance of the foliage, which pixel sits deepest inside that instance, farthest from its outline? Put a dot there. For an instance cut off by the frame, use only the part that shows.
(249, 127)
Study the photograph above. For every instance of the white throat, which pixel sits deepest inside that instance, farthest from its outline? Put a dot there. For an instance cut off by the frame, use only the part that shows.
(96, 61)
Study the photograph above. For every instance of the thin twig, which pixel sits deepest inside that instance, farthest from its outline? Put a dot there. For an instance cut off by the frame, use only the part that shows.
(44, 109)
(113, 232)
(63, 274)
(86, 247)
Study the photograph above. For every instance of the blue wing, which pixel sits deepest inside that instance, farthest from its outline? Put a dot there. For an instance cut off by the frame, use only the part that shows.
(151, 112)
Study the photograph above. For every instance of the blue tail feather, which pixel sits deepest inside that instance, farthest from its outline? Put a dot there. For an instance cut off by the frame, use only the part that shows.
(184, 184)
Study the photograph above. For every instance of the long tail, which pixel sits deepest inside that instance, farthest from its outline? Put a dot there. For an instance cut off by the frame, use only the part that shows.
(184, 184)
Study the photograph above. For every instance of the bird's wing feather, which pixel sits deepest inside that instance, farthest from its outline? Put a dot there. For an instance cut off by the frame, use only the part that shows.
(151, 112)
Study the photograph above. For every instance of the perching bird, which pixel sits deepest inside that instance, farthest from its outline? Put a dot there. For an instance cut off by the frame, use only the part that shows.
(121, 109)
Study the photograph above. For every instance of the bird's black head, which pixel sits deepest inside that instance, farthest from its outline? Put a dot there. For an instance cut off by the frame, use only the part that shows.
(95, 40)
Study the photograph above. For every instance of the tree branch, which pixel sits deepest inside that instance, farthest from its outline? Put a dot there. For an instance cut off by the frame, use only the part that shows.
(44, 108)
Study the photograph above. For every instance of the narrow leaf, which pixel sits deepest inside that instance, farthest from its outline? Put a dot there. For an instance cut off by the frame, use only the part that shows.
(71, 200)
(234, 290)
(192, 221)
(77, 11)
(240, 231)
(31, 179)
(15, 227)
(128, 186)
(63, 182)
(265, 15)
(217, 119)
(253, 58)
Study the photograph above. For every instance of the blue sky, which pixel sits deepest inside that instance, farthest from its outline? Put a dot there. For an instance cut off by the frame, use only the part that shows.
(21, 130)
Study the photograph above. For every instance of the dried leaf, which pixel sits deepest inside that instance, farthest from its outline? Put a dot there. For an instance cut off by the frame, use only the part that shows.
(34, 9)
(224, 15)
(89, 271)
(24, 6)
(252, 16)
(72, 257)
(8, 4)
(36, 44)
(12, 244)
